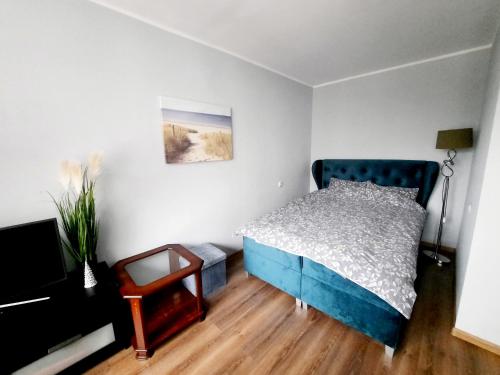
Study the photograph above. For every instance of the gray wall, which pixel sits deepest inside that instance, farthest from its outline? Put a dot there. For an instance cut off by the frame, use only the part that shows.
(478, 258)
(76, 77)
(396, 115)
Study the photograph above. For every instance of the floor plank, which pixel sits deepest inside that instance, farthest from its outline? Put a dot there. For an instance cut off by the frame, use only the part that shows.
(253, 328)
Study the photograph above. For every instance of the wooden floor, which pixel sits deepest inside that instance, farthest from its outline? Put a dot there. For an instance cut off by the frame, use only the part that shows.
(253, 328)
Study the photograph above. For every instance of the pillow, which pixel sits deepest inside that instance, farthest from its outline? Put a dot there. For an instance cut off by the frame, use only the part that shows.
(410, 193)
(348, 188)
(337, 182)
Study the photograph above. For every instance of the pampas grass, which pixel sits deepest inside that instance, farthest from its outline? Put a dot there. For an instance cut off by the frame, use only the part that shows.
(77, 208)
(76, 176)
(94, 164)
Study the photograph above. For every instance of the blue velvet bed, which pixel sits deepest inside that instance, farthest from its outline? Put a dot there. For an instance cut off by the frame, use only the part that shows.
(322, 288)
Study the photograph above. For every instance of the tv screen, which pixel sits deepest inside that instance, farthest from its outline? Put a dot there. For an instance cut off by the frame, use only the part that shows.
(30, 258)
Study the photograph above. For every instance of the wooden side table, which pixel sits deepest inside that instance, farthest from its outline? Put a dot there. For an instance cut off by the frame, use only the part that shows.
(161, 306)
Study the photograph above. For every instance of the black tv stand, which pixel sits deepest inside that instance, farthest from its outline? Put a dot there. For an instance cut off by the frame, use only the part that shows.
(24, 302)
(60, 316)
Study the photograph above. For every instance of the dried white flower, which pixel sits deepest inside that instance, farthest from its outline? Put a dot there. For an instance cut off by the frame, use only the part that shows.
(65, 174)
(76, 176)
(95, 163)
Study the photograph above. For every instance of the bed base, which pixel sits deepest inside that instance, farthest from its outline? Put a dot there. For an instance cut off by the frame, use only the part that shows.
(340, 298)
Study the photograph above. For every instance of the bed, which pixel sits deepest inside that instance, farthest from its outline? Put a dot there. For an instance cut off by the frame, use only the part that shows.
(312, 283)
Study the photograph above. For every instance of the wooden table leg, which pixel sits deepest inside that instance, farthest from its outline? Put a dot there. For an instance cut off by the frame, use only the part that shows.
(141, 342)
(199, 295)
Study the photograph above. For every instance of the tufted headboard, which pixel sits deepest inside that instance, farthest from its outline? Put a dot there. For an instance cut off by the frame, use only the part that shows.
(405, 173)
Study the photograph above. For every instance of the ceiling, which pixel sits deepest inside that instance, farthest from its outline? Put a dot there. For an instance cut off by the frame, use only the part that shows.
(320, 41)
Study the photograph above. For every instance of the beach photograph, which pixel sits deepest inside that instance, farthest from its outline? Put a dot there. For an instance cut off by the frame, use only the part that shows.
(195, 132)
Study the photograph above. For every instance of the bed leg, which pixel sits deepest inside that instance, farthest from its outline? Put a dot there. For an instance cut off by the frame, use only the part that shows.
(389, 352)
(301, 304)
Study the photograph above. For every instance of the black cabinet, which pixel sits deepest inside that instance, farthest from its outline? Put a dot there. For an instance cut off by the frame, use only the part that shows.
(31, 331)
(23, 337)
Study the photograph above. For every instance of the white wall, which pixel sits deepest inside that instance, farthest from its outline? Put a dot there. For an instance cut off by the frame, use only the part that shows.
(478, 261)
(76, 77)
(396, 115)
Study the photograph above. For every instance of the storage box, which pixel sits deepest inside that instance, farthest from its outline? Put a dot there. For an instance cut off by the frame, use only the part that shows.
(213, 272)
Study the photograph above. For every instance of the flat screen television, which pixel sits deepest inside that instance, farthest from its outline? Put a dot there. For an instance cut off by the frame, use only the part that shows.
(31, 259)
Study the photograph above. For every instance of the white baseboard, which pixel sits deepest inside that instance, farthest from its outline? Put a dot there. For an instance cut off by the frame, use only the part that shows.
(494, 348)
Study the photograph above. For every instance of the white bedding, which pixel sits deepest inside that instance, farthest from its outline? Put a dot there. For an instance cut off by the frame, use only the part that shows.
(367, 236)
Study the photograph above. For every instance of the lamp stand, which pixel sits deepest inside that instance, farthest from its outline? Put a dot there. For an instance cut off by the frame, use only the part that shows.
(447, 172)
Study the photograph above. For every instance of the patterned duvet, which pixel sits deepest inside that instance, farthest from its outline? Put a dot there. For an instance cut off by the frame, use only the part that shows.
(363, 234)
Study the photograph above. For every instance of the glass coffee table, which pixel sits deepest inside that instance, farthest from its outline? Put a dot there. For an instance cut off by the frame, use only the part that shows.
(160, 304)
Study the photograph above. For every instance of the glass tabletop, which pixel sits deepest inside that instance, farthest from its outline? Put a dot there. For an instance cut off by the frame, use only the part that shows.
(154, 267)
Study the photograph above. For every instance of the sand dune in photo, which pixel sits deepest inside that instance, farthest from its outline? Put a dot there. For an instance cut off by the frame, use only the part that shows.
(218, 144)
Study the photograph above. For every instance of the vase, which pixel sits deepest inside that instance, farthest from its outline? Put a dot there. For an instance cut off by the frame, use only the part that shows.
(89, 280)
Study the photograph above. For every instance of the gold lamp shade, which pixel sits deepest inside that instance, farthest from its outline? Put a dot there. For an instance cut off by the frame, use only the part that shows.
(454, 138)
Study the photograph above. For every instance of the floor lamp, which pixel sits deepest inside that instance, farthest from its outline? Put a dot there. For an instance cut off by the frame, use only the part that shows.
(448, 140)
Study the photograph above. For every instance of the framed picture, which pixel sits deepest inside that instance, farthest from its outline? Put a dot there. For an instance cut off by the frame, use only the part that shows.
(194, 131)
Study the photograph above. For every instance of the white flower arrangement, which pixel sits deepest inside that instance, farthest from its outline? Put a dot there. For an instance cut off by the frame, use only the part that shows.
(95, 164)
(72, 173)
(77, 207)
